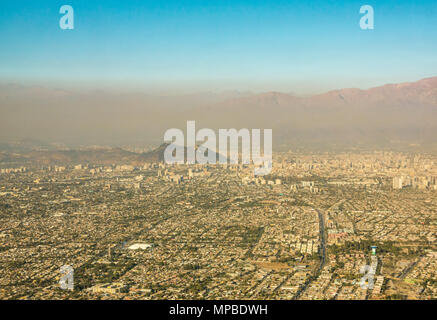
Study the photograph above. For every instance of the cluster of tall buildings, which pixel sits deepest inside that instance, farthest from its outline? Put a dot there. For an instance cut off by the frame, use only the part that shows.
(401, 182)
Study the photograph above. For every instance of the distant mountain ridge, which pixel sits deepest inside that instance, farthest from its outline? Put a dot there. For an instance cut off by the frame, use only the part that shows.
(102, 156)
(388, 116)
(94, 156)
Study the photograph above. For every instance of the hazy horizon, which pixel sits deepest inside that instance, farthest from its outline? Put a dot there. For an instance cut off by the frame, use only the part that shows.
(388, 116)
(129, 71)
(114, 89)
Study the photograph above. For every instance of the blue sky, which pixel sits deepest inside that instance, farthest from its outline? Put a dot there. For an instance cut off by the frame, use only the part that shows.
(290, 46)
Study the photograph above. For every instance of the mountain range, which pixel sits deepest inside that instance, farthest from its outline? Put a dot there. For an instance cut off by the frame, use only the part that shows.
(393, 116)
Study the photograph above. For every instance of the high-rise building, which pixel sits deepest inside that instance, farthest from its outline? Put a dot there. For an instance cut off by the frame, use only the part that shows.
(397, 182)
